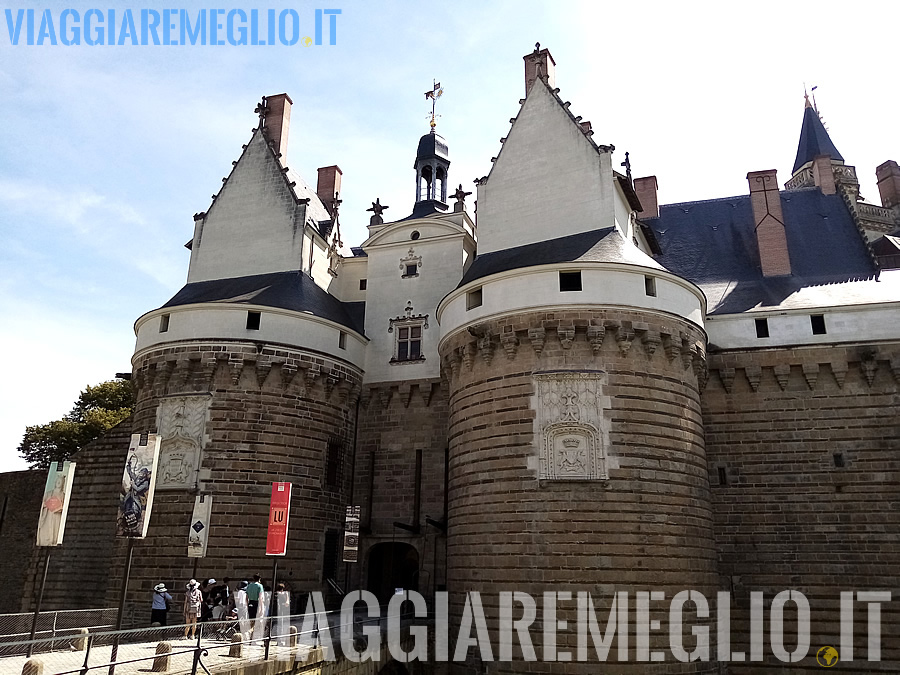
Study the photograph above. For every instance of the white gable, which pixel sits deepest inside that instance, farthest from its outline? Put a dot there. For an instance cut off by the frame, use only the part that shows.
(254, 226)
(549, 180)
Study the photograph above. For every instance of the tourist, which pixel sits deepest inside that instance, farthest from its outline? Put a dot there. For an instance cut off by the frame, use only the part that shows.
(254, 590)
(160, 607)
(193, 599)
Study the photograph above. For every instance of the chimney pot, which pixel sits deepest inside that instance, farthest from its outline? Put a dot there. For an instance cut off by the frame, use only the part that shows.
(539, 61)
(769, 223)
(278, 122)
(646, 188)
(823, 174)
(328, 185)
(888, 176)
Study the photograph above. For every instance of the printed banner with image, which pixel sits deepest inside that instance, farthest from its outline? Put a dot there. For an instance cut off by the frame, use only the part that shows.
(55, 504)
(279, 515)
(138, 482)
(351, 535)
(198, 534)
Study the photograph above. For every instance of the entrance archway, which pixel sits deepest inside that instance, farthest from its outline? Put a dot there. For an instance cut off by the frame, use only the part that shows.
(392, 565)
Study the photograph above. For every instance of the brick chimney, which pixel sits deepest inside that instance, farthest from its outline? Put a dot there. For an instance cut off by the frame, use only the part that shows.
(278, 121)
(769, 223)
(539, 59)
(329, 185)
(646, 191)
(823, 174)
(888, 176)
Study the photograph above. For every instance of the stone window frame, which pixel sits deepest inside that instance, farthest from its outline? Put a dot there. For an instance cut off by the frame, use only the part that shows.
(407, 262)
(398, 324)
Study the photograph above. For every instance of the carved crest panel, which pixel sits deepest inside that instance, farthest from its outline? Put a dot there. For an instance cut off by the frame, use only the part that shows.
(181, 421)
(571, 426)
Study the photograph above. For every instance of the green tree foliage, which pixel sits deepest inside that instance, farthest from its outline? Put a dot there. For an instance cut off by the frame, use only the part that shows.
(97, 409)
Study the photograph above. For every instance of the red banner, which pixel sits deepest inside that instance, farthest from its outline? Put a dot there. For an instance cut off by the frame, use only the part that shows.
(279, 513)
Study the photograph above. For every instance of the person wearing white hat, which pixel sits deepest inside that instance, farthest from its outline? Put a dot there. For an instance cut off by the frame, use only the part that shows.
(192, 601)
(160, 607)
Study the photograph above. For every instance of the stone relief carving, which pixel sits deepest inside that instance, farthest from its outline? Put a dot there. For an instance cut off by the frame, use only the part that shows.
(571, 426)
(181, 421)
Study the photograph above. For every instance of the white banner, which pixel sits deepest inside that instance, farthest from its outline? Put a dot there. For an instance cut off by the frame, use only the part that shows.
(198, 534)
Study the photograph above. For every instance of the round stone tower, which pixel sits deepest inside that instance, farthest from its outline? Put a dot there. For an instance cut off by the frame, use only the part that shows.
(576, 445)
(250, 374)
(575, 364)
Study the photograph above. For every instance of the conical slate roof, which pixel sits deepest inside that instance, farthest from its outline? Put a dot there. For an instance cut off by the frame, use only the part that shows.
(814, 140)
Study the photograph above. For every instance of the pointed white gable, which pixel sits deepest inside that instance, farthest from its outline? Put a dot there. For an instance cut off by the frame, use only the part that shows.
(548, 181)
(255, 224)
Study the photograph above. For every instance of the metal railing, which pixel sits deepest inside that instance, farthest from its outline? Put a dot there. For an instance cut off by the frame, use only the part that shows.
(52, 626)
(212, 645)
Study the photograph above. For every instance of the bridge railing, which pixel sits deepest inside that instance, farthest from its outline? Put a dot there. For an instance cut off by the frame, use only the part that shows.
(211, 644)
(52, 627)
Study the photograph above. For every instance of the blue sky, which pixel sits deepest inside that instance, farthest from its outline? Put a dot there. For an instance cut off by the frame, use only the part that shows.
(107, 151)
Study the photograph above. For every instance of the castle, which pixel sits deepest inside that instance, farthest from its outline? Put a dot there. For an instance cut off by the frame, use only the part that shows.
(587, 391)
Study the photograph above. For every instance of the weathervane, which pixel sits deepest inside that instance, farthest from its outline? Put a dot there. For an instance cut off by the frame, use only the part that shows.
(435, 93)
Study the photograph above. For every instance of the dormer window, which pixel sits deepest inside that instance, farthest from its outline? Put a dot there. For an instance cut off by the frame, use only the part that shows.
(410, 264)
(407, 332)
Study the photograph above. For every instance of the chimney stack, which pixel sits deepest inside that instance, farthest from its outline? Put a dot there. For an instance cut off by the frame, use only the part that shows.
(888, 176)
(278, 121)
(823, 174)
(646, 188)
(539, 60)
(329, 185)
(769, 223)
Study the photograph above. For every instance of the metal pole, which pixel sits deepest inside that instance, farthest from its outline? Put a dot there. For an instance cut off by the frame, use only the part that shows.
(120, 617)
(37, 607)
(273, 605)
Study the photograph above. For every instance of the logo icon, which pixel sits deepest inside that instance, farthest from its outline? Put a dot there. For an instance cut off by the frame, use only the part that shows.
(827, 657)
(307, 41)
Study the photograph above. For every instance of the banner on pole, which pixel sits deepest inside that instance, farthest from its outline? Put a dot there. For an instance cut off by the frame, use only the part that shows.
(138, 482)
(198, 534)
(351, 535)
(55, 504)
(279, 513)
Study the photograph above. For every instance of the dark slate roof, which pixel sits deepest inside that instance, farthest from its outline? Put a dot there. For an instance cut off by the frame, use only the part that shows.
(713, 244)
(425, 208)
(293, 291)
(604, 245)
(814, 140)
(432, 145)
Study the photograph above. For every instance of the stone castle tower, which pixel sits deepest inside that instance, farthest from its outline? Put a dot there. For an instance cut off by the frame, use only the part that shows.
(584, 392)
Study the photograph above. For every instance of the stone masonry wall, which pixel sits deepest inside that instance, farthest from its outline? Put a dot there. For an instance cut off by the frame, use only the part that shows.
(272, 414)
(804, 460)
(395, 421)
(649, 526)
(78, 577)
(20, 503)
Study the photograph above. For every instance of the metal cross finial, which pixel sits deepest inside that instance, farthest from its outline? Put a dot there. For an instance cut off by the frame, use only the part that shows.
(377, 207)
(261, 111)
(435, 93)
(627, 165)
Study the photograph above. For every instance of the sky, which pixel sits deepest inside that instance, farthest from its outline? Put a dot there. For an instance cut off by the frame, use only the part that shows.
(106, 152)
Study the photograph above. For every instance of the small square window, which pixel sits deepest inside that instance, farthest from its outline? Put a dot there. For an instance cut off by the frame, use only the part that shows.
(650, 286)
(164, 323)
(412, 270)
(762, 328)
(342, 340)
(569, 281)
(253, 320)
(839, 460)
(362, 284)
(473, 299)
(817, 321)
